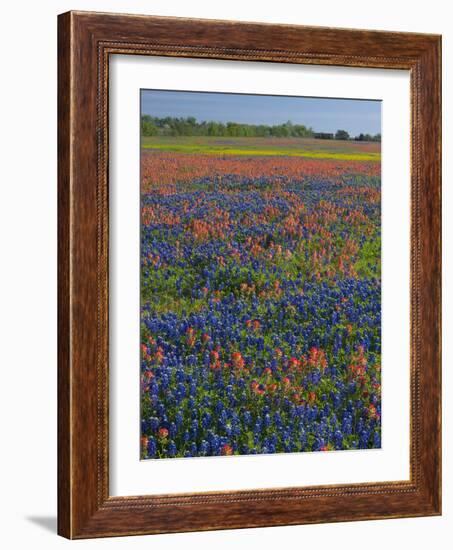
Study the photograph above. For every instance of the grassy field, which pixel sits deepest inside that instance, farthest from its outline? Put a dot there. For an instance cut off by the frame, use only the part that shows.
(260, 296)
(293, 147)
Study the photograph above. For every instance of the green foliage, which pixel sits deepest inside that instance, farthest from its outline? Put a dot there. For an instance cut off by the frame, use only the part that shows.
(147, 126)
(368, 137)
(369, 258)
(180, 126)
(342, 134)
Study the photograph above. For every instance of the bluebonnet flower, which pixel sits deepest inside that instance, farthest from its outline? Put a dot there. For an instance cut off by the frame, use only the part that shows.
(222, 251)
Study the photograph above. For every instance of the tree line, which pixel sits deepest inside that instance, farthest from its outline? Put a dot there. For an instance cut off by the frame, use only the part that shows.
(189, 126)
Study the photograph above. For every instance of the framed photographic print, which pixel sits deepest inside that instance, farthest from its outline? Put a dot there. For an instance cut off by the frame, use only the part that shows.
(249, 275)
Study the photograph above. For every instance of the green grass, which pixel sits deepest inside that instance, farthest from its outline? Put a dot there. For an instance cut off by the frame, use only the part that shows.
(369, 256)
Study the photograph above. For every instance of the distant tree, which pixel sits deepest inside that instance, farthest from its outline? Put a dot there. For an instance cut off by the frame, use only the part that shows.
(189, 126)
(368, 137)
(342, 134)
(147, 126)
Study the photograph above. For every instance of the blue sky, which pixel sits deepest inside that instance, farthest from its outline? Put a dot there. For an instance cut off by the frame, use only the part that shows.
(322, 114)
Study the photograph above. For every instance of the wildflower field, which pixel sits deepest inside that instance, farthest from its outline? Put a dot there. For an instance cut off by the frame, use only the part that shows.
(260, 296)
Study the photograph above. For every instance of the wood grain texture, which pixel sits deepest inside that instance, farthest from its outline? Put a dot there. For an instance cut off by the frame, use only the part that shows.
(64, 366)
(86, 40)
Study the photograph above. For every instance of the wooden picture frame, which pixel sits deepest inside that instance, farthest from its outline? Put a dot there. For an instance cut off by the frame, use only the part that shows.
(85, 42)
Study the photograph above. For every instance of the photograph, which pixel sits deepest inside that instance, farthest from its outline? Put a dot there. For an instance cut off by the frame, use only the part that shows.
(225, 292)
(260, 274)
(249, 273)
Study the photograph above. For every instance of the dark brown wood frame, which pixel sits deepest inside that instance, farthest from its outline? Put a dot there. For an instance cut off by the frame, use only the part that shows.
(85, 42)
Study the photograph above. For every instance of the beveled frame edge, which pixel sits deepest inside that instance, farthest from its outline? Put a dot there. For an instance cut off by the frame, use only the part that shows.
(85, 42)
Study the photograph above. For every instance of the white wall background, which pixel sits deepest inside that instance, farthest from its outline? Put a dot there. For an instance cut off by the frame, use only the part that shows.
(28, 268)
